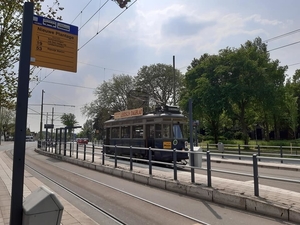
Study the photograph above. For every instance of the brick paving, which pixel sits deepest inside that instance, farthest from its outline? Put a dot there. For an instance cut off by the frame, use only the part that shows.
(71, 215)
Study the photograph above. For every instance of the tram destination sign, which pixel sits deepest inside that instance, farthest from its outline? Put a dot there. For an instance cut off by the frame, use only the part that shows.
(128, 113)
(54, 44)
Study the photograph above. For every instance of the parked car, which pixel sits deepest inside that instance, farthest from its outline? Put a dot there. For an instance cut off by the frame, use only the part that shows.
(9, 138)
(29, 138)
(82, 141)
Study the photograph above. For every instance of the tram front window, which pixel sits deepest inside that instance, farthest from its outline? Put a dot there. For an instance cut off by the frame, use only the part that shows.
(177, 131)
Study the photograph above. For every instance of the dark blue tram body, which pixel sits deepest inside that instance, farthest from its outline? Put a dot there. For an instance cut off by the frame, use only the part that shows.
(162, 129)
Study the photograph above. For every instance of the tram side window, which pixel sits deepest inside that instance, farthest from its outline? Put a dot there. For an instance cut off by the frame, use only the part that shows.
(158, 130)
(166, 130)
(125, 132)
(115, 132)
(137, 131)
(150, 131)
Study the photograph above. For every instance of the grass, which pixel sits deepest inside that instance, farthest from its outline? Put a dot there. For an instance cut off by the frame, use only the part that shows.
(274, 146)
(258, 142)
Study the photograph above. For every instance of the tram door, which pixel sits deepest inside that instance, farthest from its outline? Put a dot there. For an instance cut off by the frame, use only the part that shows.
(107, 137)
(150, 131)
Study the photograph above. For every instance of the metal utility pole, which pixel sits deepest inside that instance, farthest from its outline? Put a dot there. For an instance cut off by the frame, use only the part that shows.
(191, 139)
(41, 122)
(52, 123)
(174, 80)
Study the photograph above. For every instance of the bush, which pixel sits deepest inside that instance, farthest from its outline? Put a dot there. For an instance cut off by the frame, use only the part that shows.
(238, 135)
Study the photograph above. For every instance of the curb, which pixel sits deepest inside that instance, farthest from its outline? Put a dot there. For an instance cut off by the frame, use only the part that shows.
(247, 203)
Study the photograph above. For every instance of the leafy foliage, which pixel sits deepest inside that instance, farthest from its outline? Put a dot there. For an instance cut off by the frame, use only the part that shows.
(87, 130)
(69, 120)
(244, 83)
(158, 81)
(7, 122)
(111, 96)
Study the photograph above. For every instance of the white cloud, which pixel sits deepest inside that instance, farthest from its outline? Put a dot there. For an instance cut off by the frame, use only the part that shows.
(259, 19)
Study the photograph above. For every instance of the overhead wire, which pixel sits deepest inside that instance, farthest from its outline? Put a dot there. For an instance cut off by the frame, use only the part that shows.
(284, 46)
(130, 73)
(98, 32)
(282, 35)
(39, 81)
(94, 14)
(294, 64)
(70, 85)
(81, 11)
(99, 15)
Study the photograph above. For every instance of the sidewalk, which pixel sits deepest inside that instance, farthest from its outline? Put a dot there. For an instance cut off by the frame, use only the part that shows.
(71, 215)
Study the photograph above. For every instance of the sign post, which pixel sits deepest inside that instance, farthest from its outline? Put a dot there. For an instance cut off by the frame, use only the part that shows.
(16, 210)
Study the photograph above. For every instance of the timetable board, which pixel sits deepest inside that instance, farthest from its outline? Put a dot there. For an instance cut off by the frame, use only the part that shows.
(54, 44)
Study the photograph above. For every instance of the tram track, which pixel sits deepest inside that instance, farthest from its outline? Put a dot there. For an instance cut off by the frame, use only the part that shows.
(77, 176)
(91, 204)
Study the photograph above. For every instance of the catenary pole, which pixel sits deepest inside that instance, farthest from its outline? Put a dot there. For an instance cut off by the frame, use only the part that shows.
(41, 122)
(174, 81)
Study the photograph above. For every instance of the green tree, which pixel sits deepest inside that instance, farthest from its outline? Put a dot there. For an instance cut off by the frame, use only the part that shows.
(242, 82)
(205, 88)
(7, 122)
(242, 75)
(87, 130)
(69, 120)
(98, 123)
(292, 112)
(111, 97)
(158, 81)
(293, 86)
(271, 98)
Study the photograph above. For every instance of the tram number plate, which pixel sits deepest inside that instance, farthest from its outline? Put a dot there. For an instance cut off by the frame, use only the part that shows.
(167, 144)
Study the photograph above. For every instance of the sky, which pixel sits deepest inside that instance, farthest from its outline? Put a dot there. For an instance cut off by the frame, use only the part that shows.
(151, 32)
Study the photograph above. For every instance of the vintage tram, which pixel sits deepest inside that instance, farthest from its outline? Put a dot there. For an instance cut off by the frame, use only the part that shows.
(161, 129)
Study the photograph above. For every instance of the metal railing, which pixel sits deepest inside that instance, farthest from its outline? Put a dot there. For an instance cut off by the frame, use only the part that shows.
(90, 152)
(260, 150)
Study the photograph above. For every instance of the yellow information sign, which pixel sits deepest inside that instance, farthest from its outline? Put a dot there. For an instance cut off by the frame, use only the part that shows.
(54, 44)
(167, 144)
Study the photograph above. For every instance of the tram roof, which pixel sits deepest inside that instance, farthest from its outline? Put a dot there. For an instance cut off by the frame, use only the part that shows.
(148, 116)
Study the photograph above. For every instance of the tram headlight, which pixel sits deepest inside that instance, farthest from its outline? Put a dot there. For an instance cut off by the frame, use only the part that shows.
(186, 146)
